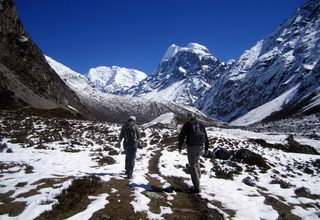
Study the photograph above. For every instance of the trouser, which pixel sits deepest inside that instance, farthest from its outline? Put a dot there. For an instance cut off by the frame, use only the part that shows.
(130, 150)
(194, 152)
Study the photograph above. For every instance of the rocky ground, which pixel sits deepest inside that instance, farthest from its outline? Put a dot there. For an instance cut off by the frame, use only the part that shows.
(57, 168)
(307, 126)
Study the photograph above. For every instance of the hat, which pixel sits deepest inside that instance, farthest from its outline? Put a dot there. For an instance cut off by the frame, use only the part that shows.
(191, 115)
(132, 118)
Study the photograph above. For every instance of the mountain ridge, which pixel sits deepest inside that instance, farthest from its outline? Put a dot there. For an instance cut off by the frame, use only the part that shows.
(272, 67)
(115, 108)
(115, 79)
(287, 57)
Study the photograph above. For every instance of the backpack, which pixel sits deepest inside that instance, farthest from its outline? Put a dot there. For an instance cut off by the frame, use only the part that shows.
(130, 135)
(197, 133)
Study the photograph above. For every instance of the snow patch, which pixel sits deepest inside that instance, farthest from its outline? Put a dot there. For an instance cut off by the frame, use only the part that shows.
(162, 119)
(266, 109)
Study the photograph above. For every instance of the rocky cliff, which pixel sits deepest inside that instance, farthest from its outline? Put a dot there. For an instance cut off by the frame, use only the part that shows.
(279, 74)
(26, 77)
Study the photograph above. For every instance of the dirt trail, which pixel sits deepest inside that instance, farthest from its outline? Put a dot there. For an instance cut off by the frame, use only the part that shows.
(186, 205)
(183, 203)
(119, 207)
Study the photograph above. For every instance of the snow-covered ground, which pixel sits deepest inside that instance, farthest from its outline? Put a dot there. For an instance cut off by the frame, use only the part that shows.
(61, 150)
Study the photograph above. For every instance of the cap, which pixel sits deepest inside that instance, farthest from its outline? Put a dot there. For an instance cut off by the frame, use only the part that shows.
(191, 115)
(132, 118)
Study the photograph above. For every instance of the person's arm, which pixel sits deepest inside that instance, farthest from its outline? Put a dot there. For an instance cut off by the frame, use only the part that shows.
(121, 136)
(182, 136)
(137, 132)
(138, 135)
(206, 141)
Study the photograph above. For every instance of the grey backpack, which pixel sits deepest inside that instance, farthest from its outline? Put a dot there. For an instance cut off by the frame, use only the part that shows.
(130, 134)
(197, 133)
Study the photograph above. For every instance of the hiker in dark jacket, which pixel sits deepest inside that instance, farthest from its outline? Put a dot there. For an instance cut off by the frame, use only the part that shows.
(131, 135)
(196, 136)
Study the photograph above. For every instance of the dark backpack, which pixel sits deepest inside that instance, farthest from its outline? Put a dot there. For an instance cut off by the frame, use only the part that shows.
(197, 133)
(130, 134)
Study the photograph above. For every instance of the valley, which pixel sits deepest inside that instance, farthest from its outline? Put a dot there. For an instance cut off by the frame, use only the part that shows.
(55, 168)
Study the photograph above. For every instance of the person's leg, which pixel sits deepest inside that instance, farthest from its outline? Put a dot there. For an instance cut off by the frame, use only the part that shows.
(194, 153)
(127, 160)
(198, 154)
(131, 159)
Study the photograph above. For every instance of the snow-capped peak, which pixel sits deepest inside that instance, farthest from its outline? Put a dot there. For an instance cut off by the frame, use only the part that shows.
(196, 48)
(172, 50)
(115, 79)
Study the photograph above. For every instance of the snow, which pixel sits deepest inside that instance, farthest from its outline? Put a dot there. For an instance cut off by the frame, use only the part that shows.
(167, 94)
(196, 48)
(305, 213)
(172, 50)
(98, 203)
(246, 201)
(23, 39)
(246, 60)
(235, 195)
(162, 119)
(104, 104)
(266, 109)
(308, 66)
(115, 79)
(72, 108)
(279, 40)
(182, 70)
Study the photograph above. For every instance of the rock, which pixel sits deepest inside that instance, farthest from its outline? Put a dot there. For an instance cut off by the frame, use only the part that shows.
(249, 181)
(296, 147)
(251, 158)
(222, 153)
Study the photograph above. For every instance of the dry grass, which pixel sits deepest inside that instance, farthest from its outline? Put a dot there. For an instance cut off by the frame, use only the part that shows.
(73, 199)
(9, 206)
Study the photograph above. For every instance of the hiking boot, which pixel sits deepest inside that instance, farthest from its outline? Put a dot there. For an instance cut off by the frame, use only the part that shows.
(195, 190)
(129, 175)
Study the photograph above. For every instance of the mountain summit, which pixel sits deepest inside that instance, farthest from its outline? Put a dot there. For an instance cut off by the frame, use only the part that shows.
(115, 79)
(183, 75)
(192, 48)
(276, 78)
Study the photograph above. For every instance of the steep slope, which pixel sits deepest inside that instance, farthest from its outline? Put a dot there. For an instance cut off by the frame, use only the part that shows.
(183, 75)
(26, 77)
(115, 80)
(286, 63)
(113, 108)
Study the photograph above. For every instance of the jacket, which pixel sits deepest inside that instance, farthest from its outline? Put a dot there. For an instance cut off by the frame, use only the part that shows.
(124, 129)
(185, 134)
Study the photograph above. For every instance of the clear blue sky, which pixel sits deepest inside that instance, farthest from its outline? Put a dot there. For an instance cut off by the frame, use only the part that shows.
(136, 33)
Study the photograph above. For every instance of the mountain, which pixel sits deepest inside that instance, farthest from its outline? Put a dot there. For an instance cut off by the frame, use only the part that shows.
(26, 77)
(114, 108)
(278, 77)
(115, 80)
(183, 76)
(30, 79)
